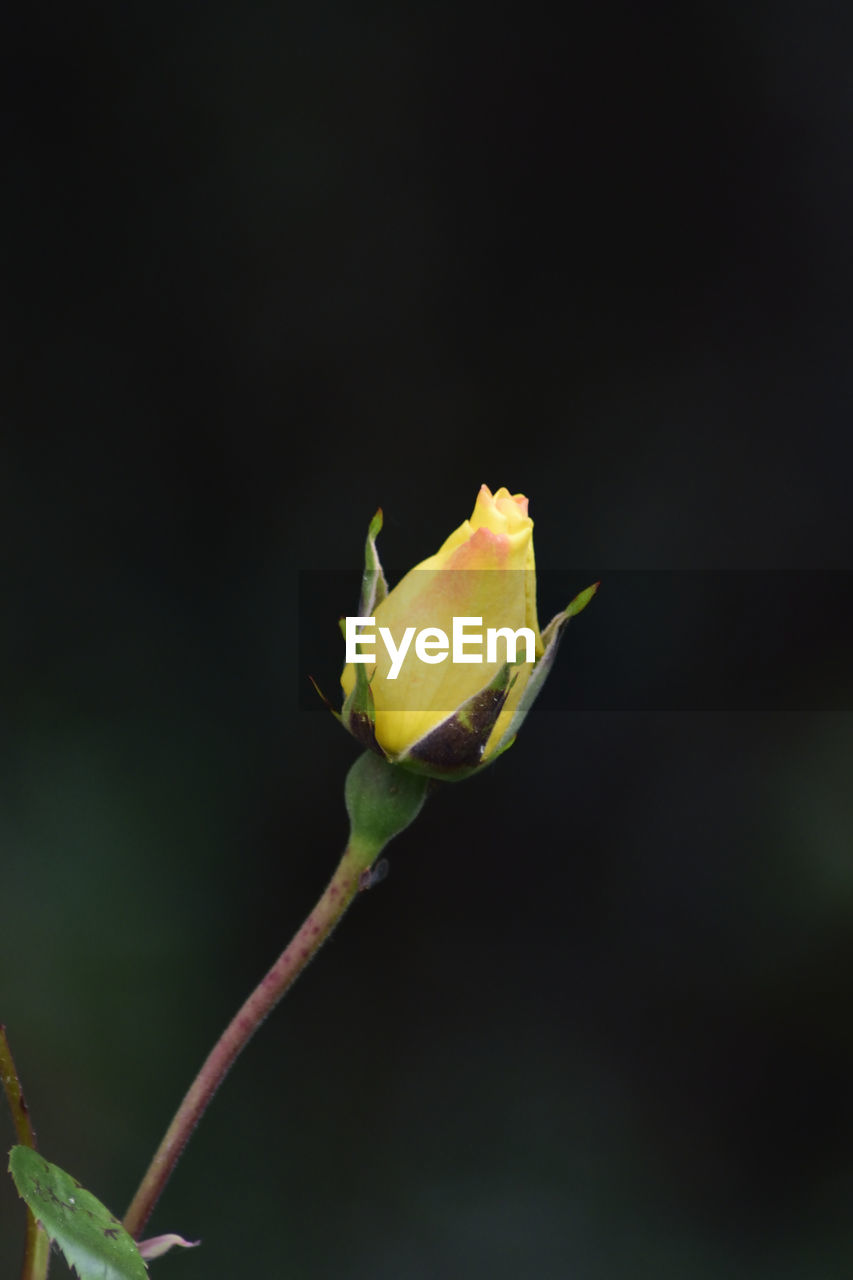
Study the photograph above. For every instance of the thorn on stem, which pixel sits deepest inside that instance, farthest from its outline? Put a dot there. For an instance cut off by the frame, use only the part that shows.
(372, 876)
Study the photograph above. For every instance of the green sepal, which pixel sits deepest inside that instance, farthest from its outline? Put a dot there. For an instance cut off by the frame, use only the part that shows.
(374, 587)
(358, 713)
(94, 1242)
(551, 637)
(575, 606)
(454, 748)
(382, 800)
(324, 699)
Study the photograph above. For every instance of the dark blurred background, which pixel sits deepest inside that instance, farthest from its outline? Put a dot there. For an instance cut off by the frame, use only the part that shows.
(265, 268)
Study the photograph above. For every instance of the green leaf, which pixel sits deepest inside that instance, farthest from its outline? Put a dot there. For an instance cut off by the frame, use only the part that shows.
(94, 1242)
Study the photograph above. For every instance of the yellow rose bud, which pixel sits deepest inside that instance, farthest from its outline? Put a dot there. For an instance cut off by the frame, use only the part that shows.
(455, 652)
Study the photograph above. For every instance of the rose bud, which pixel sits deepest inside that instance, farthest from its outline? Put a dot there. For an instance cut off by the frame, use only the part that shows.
(442, 670)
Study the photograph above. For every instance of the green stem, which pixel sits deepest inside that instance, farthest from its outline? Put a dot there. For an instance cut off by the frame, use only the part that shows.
(338, 896)
(37, 1245)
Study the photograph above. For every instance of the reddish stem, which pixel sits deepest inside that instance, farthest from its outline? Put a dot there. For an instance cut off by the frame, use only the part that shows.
(338, 896)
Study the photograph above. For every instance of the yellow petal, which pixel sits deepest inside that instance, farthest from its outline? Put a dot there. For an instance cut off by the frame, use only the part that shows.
(485, 569)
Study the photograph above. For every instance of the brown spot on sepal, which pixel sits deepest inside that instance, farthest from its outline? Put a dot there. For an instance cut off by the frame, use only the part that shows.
(458, 743)
(361, 728)
(359, 715)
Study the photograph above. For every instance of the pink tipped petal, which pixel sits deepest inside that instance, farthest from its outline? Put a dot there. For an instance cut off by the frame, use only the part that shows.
(483, 550)
(156, 1246)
